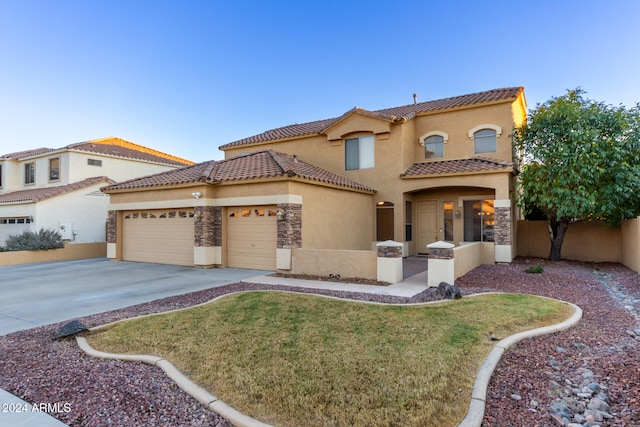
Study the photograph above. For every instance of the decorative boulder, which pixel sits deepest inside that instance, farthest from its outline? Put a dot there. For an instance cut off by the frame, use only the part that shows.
(447, 291)
(70, 329)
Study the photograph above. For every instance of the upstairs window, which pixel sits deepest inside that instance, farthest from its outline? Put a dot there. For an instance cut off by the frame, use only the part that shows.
(485, 138)
(484, 141)
(94, 162)
(359, 153)
(54, 169)
(0, 175)
(30, 173)
(434, 147)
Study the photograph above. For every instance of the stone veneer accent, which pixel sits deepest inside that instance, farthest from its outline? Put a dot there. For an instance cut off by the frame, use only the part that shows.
(290, 226)
(389, 251)
(112, 226)
(208, 226)
(502, 227)
(440, 253)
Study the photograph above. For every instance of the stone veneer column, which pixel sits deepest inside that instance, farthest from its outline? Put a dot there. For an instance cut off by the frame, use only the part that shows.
(289, 233)
(440, 265)
(207, 250)
(112, 234)
(389, 261)
(503, 233)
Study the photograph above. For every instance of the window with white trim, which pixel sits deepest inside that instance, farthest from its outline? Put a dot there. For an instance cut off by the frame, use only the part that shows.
(30, 173)
(359, 153)
(54, 169)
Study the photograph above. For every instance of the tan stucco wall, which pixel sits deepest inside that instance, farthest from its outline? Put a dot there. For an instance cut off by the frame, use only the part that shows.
(335, 219)
(471, 255)
(322, 262)
(456, 124)
(69, 252)
(630, 245)
(591, 241)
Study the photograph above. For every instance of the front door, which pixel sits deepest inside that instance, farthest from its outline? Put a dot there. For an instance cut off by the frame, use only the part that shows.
(427, 224)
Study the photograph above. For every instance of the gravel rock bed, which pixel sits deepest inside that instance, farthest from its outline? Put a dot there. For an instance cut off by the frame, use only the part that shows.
(530, 378)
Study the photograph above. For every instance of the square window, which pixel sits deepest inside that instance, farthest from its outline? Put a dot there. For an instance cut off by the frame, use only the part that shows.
(54, 169)
(30, 173)
(359, 153)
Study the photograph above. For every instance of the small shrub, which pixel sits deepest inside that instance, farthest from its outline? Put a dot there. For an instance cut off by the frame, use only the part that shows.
(34, 241)
(535, 269)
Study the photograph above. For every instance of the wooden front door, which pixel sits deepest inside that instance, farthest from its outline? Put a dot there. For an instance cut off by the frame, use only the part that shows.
(427, 224)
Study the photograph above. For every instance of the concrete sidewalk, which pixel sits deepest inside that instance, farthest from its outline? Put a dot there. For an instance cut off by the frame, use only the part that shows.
(407, 288)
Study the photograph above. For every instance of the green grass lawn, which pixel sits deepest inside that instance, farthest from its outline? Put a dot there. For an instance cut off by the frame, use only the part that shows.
(301, 360)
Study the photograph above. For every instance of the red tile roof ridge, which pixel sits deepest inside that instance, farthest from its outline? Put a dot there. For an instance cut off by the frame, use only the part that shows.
(400, 113)
(42, 193)
(186, 174)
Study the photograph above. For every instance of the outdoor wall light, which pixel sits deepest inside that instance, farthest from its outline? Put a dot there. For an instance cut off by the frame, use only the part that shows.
(457, 214)
(279, 214)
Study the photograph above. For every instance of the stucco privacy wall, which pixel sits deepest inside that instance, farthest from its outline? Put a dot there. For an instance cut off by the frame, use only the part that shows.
(591, 241)
(69, 252)
(630, 247)
(346, 263)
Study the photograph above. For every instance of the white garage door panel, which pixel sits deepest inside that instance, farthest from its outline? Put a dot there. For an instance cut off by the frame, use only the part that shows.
(163, 239)
(252, 239)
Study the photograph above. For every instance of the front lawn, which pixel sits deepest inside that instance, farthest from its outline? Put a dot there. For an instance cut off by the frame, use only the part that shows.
(302, 360)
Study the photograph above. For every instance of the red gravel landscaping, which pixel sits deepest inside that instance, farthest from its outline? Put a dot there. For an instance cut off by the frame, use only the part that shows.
(531, 376)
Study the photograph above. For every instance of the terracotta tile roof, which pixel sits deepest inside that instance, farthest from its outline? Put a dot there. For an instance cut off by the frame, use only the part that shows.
(110, 147)
(27, 153)
(474, 164)
(37, 194)
(405, 112)
(263, 164)
(184, 175)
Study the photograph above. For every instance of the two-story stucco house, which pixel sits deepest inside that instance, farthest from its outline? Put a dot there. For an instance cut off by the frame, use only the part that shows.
(415, 174)
(60, 188)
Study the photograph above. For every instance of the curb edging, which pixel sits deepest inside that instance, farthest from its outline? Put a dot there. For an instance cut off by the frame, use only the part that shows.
(475, 414)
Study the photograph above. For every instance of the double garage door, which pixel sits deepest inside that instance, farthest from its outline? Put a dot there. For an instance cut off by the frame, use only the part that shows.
(167, 237)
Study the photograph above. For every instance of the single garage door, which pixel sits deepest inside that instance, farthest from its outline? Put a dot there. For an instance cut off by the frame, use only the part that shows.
(159, 236)
(252, 233)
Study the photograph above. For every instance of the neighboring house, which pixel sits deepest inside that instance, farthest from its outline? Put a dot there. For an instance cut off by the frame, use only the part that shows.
(60, 188)
(423, 172)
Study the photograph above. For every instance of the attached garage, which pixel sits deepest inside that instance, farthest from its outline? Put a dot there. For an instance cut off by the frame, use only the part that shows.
(158, 236)
(252, 237)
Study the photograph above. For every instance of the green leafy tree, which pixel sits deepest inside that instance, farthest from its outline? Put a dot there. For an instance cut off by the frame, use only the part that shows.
(581, 162)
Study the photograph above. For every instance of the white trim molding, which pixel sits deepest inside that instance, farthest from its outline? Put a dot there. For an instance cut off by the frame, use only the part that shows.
(444, 135)
(497, 128)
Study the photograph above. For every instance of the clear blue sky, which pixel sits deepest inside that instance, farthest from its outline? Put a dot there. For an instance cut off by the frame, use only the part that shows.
(188, 76)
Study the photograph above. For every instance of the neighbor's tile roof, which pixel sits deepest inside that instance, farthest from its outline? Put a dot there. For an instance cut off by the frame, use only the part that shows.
(474, 164)
(263, 164)
(37, 194)
(110, 147)
(405, 112)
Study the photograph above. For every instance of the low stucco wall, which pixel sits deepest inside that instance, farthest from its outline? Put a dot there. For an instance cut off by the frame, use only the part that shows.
(630, 244)
(468, 256)
(591, 241)
(69, 252)
(323, 262)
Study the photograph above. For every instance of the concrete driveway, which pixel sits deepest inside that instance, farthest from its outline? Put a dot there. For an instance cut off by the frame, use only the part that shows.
(39, 294)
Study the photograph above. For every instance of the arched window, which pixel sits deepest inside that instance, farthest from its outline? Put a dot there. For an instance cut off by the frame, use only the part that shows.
(433, 143)
(434, 147)
(485, 138)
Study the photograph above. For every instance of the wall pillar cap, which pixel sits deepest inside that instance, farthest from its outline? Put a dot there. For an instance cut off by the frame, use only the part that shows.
(389, 243)
(441, 245)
